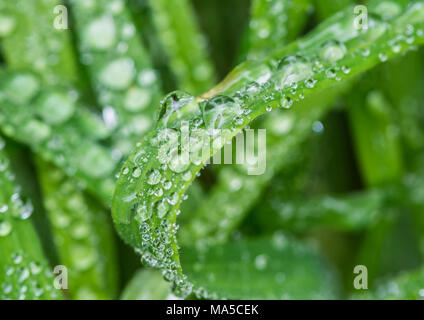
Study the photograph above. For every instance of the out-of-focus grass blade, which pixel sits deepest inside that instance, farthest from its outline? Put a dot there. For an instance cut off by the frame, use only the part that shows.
(24, 271)
(121, 72)
(184, 44)
(31, 41)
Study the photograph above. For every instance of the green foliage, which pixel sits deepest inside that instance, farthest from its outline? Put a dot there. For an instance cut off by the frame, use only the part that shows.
(341, 105)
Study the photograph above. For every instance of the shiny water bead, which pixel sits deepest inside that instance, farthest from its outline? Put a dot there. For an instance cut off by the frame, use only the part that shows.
(187, 175)
(100, 34)
(21, 88)
(5, 227)
(7, 25)
(95, 161)
(286, 102)
(261, 262)
(176, 107)
(118, 74)
(162, 208)
(220, 111)
(333, 51)
(37, 130)
(153, 177)
(137, 99)
(291, 70)
(387, 10)
(55, 107)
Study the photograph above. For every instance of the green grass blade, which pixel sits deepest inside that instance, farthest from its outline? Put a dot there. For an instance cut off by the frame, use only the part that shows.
(24, 271)
(185, 46)
(81, 230)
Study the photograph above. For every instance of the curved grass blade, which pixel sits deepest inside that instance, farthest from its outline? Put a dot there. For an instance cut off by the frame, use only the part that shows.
(24, 271)
(184, 44)
(145, 211)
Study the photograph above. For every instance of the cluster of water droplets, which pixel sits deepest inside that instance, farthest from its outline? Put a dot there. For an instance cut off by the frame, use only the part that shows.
(26, 279)
(57, 132)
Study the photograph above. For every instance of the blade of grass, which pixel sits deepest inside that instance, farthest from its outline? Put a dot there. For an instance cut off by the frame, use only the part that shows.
(185, 46)
(81, 230)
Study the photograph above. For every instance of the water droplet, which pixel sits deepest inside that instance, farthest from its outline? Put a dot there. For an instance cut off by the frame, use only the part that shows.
(333, 51)
(387, 10)
(220, 111)
(286, 102)
(154, 177)
(37, 130)
(292, 69)
(382, 57)
(187, 175)
(55, 107)
(162, 209)
(136, 173)
(137, 99)
(119, 74)
(22, 88)
(7, 25)
(261, 262)
(100, 34)
(176, 107)
(95, 161)
(5, 228)
(310, 83)
(173, 199)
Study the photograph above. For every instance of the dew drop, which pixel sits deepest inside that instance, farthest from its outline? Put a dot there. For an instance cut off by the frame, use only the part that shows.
(261, 262)
(100, 34)
(154, 177)
(55, 107)
(118, 74)
(5, 228)
(7, 25)
(333, 51)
